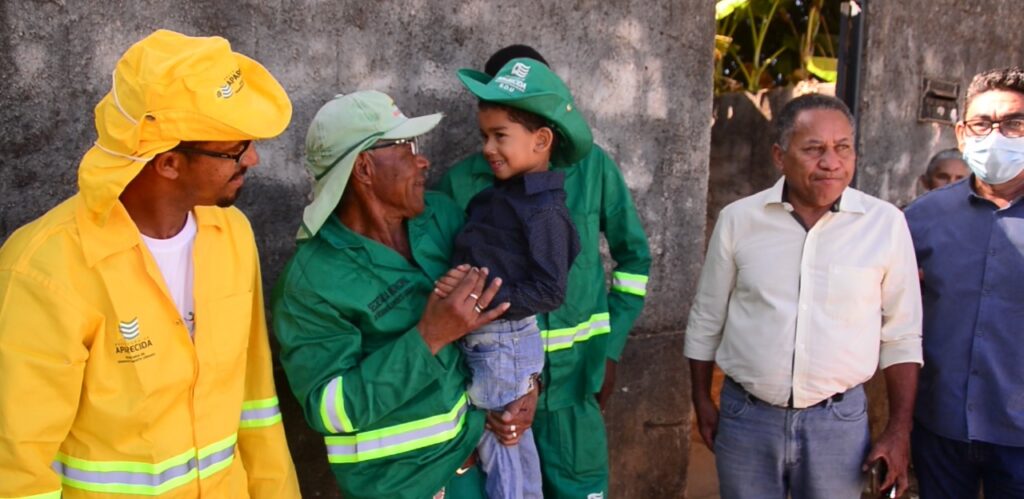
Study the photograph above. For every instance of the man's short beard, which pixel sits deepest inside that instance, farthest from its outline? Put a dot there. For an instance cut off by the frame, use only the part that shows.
(229, 201)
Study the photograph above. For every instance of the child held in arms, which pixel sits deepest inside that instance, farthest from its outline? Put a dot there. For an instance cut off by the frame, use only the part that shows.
(521, 232)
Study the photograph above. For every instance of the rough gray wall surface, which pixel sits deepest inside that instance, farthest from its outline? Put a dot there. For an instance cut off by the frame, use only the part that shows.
(905, 42)
(640, 71)
(741, 141)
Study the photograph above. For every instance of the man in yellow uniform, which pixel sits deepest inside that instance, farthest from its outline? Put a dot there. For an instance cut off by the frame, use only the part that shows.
(133, 348)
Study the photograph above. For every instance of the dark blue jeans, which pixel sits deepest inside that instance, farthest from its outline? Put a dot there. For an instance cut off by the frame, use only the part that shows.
(951, 469)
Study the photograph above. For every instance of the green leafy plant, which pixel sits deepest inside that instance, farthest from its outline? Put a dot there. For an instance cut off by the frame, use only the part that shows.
(817, 40)
(763, 43)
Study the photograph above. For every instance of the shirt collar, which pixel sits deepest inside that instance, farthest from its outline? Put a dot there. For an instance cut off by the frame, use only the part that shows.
(972, 196)
(534, 183)
(968, 188)
(119, 232)
(851, 200)
(336, 234)
(480, 167)
(340, 236)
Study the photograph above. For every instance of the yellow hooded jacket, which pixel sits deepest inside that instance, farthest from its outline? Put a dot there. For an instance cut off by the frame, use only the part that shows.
(102, 391)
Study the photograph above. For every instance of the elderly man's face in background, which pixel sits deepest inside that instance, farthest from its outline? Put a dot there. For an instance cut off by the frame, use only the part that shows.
(946, 172)
(400, 177)
(819, 162)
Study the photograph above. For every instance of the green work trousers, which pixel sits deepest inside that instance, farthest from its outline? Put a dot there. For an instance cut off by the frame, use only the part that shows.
(573, 451)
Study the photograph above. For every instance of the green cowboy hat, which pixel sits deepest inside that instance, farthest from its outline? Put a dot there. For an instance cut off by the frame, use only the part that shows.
(528, 84)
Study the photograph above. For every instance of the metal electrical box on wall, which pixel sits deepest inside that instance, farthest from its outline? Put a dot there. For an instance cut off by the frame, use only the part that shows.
(939, 101)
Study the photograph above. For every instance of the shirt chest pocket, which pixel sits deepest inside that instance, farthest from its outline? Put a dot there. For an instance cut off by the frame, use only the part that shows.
(854, 293)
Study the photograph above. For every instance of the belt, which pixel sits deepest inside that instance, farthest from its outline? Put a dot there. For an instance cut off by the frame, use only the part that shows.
(789, 403)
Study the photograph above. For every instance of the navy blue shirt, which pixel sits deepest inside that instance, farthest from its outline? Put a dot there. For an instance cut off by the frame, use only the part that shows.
(521, 231)
(972, 256)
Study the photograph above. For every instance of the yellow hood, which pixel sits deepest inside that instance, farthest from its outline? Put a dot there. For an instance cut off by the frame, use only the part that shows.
(169, 88)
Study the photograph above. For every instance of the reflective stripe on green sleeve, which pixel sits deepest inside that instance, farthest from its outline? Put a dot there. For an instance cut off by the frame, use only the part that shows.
(634, 284)
(393, 440)
(332, 408)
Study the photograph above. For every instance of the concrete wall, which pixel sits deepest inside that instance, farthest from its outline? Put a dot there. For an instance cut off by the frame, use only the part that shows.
(741, 141)
(640, 71)
(905, 42)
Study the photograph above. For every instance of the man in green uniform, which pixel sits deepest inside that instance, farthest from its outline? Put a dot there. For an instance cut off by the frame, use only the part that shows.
(583, 339)
(365, 342)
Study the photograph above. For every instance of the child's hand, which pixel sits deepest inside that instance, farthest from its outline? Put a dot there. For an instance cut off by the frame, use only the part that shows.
(444, 286)
(466, 309)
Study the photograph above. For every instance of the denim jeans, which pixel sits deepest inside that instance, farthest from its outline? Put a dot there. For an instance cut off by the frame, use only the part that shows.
(767, 452)
(951, 469)
(502, 356)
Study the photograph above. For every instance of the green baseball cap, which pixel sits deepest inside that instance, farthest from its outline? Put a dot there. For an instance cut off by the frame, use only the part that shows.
(528, 84)
(344, 127)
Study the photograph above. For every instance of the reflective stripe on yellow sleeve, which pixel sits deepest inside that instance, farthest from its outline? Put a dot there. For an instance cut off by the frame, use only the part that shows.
(260, 413)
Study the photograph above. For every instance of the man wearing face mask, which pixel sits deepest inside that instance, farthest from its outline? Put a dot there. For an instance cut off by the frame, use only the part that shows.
(969, 240)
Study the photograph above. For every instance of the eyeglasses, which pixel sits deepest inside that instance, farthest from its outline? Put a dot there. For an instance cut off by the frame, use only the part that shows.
(237, 158)
(397, 142)
(1011, 128)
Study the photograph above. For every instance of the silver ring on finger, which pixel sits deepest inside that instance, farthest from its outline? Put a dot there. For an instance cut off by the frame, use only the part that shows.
(474, 296)
(514, 434)
(477, 308)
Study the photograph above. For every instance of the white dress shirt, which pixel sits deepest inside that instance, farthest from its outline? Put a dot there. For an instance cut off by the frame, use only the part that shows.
(786, 310)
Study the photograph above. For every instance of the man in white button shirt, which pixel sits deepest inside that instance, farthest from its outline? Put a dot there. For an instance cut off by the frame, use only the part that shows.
(807, 288)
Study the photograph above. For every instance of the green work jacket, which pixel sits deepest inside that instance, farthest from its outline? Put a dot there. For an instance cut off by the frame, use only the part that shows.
(395, 418)
(594, 321)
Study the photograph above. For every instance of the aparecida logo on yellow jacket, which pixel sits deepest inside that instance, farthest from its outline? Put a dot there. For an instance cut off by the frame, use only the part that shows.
(133, 349)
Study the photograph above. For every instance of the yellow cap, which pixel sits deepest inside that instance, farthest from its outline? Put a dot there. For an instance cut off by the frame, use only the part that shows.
(169, 88)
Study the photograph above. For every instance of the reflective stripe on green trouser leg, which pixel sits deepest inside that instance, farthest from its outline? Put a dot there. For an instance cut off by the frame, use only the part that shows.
(405, 437)
(573, 451)
(125, 477)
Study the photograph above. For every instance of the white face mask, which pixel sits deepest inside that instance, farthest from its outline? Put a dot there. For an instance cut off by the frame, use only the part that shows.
(994, 158)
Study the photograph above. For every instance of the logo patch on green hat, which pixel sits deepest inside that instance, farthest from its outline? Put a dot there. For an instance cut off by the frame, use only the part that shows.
(521, 70)
(515, 81)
